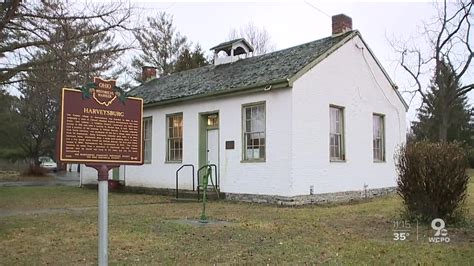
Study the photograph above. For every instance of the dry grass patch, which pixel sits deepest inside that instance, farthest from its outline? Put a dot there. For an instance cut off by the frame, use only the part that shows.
(141, 232)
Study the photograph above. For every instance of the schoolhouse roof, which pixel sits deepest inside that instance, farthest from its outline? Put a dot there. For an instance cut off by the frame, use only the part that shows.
(277, 69)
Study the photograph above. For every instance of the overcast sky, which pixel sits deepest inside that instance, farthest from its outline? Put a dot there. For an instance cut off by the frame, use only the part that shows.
(295, 22)
(291, 23)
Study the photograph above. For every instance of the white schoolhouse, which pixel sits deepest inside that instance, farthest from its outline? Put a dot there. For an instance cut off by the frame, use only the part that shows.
(318, 121)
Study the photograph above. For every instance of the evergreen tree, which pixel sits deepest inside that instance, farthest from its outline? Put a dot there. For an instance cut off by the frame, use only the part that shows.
(189, 60)
(12, 129)
(160, 45)
(449, 40)
(441, 103)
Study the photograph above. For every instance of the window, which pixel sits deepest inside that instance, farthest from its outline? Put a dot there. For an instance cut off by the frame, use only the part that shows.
(147, 125)
(254, 132)
(336, 133)
(379, 138)
(174, 125)
(213, 120)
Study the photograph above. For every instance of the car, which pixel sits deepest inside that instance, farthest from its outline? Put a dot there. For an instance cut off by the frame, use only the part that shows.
(48, 163)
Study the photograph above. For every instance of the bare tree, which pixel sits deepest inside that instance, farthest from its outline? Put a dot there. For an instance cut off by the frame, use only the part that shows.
(259, 38)
(450, 41)
(26, 28)
(8, 10)
(66, 50)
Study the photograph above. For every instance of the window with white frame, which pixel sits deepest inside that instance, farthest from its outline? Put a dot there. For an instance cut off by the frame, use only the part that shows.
(147, 125)
(254, 132)
(336, 133)
(174, 125)
(379, 137)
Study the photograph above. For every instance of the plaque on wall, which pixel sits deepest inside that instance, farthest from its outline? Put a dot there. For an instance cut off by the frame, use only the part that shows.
(229, 145)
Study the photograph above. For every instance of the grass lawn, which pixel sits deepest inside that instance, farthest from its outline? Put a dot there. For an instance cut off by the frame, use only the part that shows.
(58, 225)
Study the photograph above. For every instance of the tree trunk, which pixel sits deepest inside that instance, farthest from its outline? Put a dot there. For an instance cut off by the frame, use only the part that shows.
(443, 133)
(443, 127)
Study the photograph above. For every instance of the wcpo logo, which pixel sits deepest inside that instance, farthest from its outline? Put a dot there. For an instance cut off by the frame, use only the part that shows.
(441, 234)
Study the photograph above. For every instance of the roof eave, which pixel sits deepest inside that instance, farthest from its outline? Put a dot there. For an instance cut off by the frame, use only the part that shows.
(394, 86)
(277, 84)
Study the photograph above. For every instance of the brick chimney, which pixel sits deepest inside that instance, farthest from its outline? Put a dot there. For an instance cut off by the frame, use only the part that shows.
(341, 23)
(148, 72)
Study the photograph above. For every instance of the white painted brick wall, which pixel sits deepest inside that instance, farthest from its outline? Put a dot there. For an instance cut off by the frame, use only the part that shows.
(344, 79)
(270, 177)
(297, 123)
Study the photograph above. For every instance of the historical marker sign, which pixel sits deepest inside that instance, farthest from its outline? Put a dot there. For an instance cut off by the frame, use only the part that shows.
(100, 125)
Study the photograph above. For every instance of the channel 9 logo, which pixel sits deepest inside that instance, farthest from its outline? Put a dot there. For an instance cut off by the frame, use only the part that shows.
(441, 234)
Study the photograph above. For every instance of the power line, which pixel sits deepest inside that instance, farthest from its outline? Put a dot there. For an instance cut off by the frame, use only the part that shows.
(318, 9)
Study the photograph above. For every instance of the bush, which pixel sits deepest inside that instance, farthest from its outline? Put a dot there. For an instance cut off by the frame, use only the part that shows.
(470, 157)
(35, 170)
(432, 180)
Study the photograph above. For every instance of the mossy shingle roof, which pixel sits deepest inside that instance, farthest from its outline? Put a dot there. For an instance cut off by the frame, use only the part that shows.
(245, 73)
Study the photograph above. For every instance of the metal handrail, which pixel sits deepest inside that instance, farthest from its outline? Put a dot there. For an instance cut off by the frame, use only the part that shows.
(177, 173)
(216, 177)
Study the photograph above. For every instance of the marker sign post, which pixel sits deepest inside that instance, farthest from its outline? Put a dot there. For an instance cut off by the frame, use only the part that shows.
(102, 128)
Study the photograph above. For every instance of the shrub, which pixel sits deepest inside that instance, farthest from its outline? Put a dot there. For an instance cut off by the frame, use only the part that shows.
(470, 157)
(432, 180)
(35, 170)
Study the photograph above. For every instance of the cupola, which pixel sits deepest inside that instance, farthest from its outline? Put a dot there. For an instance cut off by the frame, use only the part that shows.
(231, 51)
